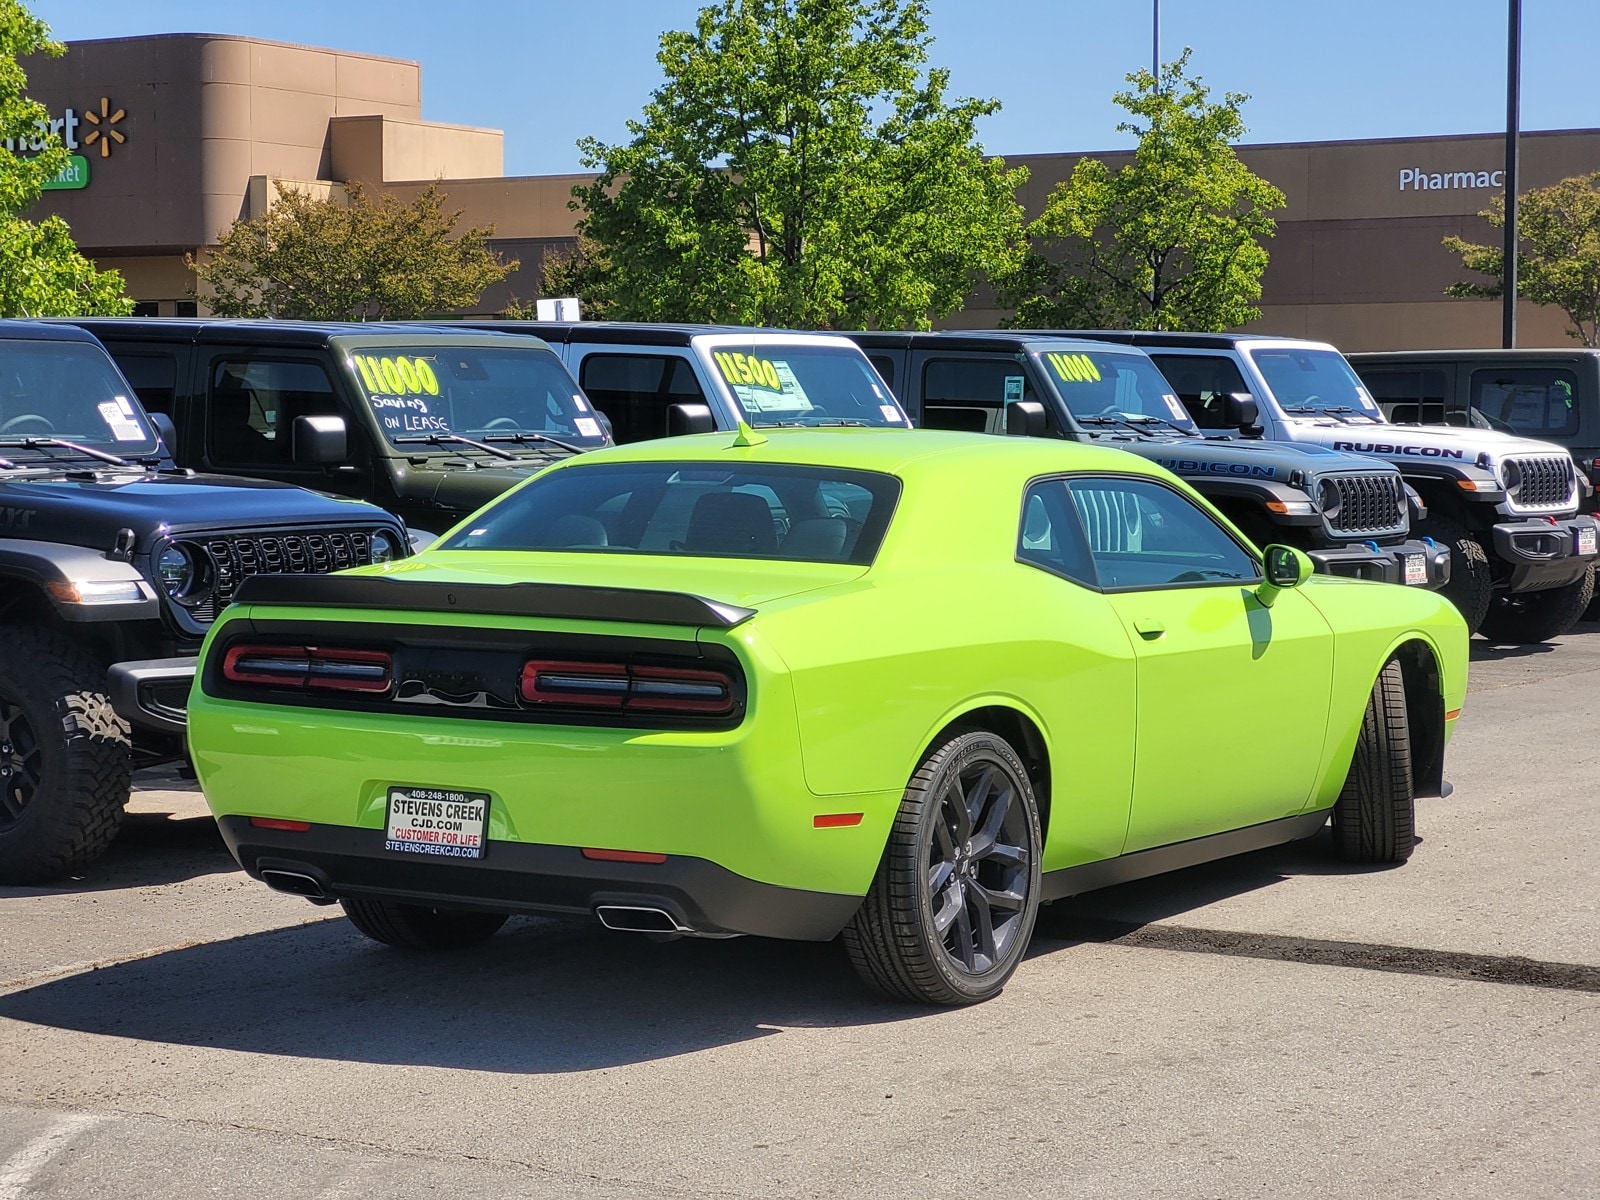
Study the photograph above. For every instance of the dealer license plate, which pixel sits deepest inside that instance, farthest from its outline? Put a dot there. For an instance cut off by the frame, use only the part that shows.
(436, 821)
(1586, 541)
(1416, 568)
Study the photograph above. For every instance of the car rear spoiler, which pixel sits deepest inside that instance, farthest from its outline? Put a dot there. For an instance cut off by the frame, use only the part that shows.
(569, 601)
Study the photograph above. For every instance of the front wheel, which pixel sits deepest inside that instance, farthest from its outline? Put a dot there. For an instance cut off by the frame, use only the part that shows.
(420, 927)
(952, 907)
(1524, 617)
(1374, 819)
(1471, 584)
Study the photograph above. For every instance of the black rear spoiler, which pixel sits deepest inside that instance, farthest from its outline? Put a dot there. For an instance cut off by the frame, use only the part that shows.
(570, 601)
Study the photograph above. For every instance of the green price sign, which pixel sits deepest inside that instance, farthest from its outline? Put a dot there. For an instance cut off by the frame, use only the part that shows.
(73, 176)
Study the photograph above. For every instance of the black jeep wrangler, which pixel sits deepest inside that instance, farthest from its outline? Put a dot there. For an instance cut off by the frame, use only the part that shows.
(113, 564)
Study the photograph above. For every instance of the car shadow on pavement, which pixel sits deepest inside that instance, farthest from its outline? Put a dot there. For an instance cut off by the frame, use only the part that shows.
(545, 996)
(152, 849)
(1479, 650)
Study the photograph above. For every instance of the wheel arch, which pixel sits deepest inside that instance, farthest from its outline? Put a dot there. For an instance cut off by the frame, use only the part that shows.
(1023, 732)
(1424, 684)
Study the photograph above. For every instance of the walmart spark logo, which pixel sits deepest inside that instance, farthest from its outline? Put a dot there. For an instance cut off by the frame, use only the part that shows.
(103, 131)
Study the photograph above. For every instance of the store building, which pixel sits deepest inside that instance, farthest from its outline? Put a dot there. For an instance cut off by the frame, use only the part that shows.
(175, 136)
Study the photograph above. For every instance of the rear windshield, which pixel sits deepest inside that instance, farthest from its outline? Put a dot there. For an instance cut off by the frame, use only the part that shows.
(780, 384)
(702, 510)
(487, 393)
(68, 390)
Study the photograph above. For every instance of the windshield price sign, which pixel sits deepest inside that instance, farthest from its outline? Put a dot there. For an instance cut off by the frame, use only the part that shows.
(748, 370)
(399, 388)
(1074, 368)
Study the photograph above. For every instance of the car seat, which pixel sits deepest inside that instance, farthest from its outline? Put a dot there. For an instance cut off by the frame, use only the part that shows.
(736, 523)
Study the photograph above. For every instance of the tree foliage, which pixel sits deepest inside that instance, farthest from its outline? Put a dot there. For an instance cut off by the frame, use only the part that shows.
(41, 271)
(1558, 253)
(798, 167)
(353, 258)
(579, 270)
(1171, 240)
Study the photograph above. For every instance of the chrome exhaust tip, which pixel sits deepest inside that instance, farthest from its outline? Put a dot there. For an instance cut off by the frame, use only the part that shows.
(628, 918)
(295, 883)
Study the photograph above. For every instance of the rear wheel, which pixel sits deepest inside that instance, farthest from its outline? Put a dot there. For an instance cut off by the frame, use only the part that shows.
(1471, 584)
(953, 905)
(419, 927)
(1538, 616)
(1374, 819)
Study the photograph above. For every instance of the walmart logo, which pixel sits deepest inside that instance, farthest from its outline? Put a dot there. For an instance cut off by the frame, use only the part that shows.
(103, 131)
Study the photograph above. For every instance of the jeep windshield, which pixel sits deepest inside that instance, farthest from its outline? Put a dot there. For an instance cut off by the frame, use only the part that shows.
(1113, 389)
(498, 401)
(58, 392)
(700, 510)
(1314, 383)
(781, 382)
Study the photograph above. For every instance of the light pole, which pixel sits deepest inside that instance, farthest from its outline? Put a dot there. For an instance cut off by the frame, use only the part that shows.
(1155, 43)
(1508, 288)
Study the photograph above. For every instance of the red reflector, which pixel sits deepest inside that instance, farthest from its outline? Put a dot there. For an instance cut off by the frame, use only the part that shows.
(1452, 714)
(312, 667)
(276, 823)
(639, 856)
(835, 820)
(628, 688)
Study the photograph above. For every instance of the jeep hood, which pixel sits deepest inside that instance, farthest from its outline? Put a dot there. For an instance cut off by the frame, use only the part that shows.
(1471, 442)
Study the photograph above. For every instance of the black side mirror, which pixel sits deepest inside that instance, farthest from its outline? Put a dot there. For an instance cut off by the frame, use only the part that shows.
(168, 433)
(605, 425)
(689, 418)
(1025, 418)
(320, 441)
(1240, 409)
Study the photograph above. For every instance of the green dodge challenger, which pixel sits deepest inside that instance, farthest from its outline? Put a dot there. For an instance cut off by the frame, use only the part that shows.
(899, 686)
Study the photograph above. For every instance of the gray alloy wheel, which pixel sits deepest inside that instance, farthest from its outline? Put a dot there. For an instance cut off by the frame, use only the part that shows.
(421, 927)
(1374, 819)
(952, 907)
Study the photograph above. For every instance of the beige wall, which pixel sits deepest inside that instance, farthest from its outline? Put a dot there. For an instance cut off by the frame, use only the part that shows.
(379, 149)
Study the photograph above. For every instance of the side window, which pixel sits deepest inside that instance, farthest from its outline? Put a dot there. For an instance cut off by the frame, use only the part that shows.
(883, 365)
(635, 391)
(1143, 534)
(1051, 537)
(971, 394)
(253, 404)
(1408, 396)
(154, 378)
(1201, 381)
(1530, 401)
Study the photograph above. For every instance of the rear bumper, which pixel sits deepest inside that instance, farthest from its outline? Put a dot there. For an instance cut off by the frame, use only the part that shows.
(1386, 564)
(152, 694)
(521, 877)
(1541, 552)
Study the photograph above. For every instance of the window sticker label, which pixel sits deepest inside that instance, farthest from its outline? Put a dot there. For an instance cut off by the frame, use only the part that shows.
(1073, 368)
(588, 426)
(1016, 386)
(890, 412)
(1176, 408)
(762, 385)
(122, 425)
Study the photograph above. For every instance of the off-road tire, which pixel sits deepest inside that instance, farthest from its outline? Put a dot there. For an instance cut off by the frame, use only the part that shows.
(1471, 584)
(64, 781)
(1524, 617)
(893, 941)
(1374, 819)
(420, 927)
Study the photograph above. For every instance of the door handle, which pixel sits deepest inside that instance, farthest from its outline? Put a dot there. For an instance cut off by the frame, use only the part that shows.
(1149, 628)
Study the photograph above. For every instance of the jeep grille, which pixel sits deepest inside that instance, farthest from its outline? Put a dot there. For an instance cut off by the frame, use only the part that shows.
(236, 557)
(1367, 504)
(1548, 481)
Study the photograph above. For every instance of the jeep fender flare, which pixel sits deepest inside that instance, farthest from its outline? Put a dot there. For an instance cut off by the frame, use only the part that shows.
(54, 570)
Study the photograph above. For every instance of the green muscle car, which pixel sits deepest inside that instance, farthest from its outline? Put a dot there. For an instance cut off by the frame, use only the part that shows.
(900, 686)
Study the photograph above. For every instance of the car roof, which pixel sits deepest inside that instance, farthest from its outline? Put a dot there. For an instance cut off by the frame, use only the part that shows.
(1194, 341)
(41, 331)
(1479, 355)
(271, 332)
(644, 333)
(975, 339)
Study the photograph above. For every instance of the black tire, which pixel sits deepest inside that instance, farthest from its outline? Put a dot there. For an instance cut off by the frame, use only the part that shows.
(1524, 617)
(420, 927)
(1374, 819)
(1471, 585)
(64, 767)
(973, 788)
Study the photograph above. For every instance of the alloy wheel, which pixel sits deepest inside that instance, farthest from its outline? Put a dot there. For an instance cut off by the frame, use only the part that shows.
(978, 867)
(20, 761)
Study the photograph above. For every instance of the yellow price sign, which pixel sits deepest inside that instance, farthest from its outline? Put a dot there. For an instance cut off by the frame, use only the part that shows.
(396, 375)
(746, 370)
(1074, 368)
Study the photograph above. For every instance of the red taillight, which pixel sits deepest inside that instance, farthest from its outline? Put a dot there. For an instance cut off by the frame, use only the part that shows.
(631, 856)
(309, 667)
(836, 820)
(280, 823)
(624, 687)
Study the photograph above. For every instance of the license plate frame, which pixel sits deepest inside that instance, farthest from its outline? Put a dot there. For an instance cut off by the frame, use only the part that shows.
(1416, 569)
(436, 822)
(1587, 542)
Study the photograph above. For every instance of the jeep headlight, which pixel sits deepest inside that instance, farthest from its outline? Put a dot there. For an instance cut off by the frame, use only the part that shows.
(1510, 476)
(1328, 491)
(183, 574)
(385, 547)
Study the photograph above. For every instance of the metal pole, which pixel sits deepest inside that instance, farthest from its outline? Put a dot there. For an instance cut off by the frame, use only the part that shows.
(1155, 43)
(1508, 317)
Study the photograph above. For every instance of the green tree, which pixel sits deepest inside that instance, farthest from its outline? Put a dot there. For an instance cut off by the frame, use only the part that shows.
(1558, 253)
(1171, 240)
(350, 258)
(798, 167)
(41, 272)
(579, 270)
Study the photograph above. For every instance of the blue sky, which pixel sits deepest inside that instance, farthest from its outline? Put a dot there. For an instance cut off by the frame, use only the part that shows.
(548, 73)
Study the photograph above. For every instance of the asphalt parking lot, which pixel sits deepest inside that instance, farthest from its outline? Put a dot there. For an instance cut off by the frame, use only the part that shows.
(1275, 1025)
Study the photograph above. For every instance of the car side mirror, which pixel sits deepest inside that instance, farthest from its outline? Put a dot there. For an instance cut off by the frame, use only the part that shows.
(168, 433)
(1025, 418)
(320, 441)
(1240, 410)
(684, 419)
(1286, 568)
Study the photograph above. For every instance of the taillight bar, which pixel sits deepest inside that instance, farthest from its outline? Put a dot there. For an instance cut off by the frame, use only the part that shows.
(315, 668)
(626, 687)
